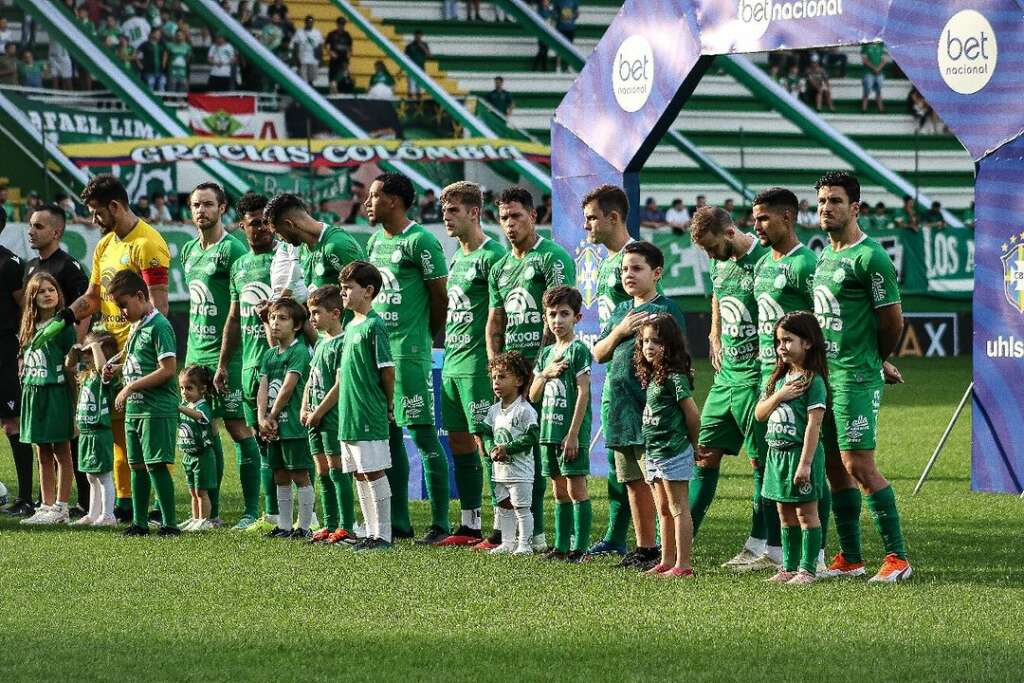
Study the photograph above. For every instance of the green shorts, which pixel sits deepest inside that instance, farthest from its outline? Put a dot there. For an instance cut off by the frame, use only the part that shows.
(47, 414)
(289, 454)
(851, 424)
(629, 465)
(229, 404)
(323, 439)
(554, 464)
(779, 468)
(96, 451)
(151, 440)
(200, 470)
(727, 416)
(414, 392)
(464, 402)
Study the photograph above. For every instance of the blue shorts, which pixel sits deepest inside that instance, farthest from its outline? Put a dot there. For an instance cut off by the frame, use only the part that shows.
(676, 468)
(872, 82)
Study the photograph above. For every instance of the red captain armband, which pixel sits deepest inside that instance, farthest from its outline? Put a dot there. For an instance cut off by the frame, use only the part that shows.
(155, 276)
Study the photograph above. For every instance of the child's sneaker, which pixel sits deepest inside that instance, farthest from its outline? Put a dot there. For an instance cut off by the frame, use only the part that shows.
(321, 536)
(540, 544)
(340, 536)
(657, 570)
(489, 543)
(781, 577)
(677, 573)
(200, 525)
(745, 556)
(433, 536)
(84, 520)
(503, 549)
(840, 567)
(894, 570)
(523, 550)
(763, 563)
(105, 520)
(604, 547)
(462, 536)
(802, 578)
(374, 543)
(264, 524)
(217, 522)
(244, 523)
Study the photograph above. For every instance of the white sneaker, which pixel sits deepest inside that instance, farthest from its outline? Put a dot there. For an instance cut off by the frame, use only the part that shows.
(53, 515)
(216, 522)
(187, 523)
(503, 549)
(84, 520)
(105, 520)
(745, 556)
(762, 563)
(201, 525)
(540, 544)
(41, 513)
(525, 550)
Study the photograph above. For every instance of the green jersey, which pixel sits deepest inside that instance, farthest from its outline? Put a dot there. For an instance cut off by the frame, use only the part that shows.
(177, 60)
(781, 287)
(610, 292)
(150, 340)
(323, 262)
(733, 283)
(518, 285)
(465, 328)
(363, 406)
(664, 424)
(277, 364)
(195, 436)
(622, 399)
(788, 422)
(406, 261)
(250, 287)
(46, 365)
(207, 274)
(873, 52)
(559, 402)
(849, 285)
(110, 35)
(92, 414)
(323, 369)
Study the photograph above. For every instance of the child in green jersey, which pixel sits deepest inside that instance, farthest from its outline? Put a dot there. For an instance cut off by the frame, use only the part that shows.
(561, 385)
(283, 374)
(95, 440)
(195, 438)
(793, 405)
(46, 398)
(671, 425)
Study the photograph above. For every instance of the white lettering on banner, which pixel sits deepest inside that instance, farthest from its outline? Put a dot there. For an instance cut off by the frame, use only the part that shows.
(756, 15)
(633, 73)
(935, 333)
(1004, 347)
(967, 52)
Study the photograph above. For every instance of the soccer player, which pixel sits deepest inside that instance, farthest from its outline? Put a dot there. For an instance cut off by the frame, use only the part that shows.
(148, 400)
(465, 386)
(250, 291)
(642, 265)
(413, 303)
(206, 262)
(729, 408)
(857, 302)
(515, 321)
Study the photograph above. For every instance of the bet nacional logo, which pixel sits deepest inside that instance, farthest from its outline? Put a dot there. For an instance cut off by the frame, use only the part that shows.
(633, 73)
(967, 52)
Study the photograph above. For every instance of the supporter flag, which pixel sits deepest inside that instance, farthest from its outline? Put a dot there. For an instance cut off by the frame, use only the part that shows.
(227, 116)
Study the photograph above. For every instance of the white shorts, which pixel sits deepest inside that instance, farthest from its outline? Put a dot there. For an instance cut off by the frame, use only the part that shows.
(61, 68)
(520, 493)
(365, 456)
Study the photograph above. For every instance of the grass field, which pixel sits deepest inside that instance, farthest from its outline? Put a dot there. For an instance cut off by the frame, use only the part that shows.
(93, 605)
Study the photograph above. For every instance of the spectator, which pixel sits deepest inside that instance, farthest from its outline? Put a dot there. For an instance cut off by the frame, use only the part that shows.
(28, 31)
(879, 218)
(10, 66)
(419, 52)
(818, 85)
(793, 82)
(30, 72)
(933, 217)
(566, 13)
(280, 9)
(547, 15)
(70, 209)
(307, 46)
(473, 10)
(834, 57)
(246, 15)
(906, 217)
(805, 218)
(490, 210)
(779, 63)
(874, 58)
(449, 10)
(152, 13)
(382, 83)
(357, 212)
(173, 207)
(919, 108)
(545, 210)
(135, 27)
(499, 98)
(677, 216)
(153, 61)
(339, 49)
(84, 22)
(222, 59)
(6, 204)
(651, 216)
(271, 35)
(342, 82)
(179, 60)
(6, 34)
(430, 211)
(159, 212)
(32, 203)
(126, 54)
(61, 69)
(142, 207)
(168, 25)
(701, 201)
(110, 32)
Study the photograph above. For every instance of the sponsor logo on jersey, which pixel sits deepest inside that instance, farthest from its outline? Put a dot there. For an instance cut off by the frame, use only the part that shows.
(521, 308)
(396, 255)
(459, 306)
(413, 406)
(273, 389)
(34, 365)
(186, 437)
(768, 313)
(649, 419)
(604, 309)
(877, 287)
(1013, 276)
(781, 424)
(554, 398)
(427, 262)
(478, 409)
(827, 309)
(390, 293)
(736, 318)
(200, 299)
(252, 295)
(88, 406)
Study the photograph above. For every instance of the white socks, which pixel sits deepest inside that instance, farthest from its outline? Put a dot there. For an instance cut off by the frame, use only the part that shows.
(95, 497)
(774, 552)
(755, 545)
(106, 481)
(380, 493)
(506, 521)
(306, 498)
(524, 519)
(284, 506)
(366, 505)
(471, 518)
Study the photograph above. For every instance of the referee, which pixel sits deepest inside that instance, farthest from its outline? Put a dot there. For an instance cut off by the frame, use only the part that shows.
(45, 230)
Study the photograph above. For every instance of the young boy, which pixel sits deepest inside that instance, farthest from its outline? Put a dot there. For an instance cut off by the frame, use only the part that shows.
(623, 400)
(320, 415)
(283, 372)
(561, 384)
(508, 435)
(366, 385)
(149, 399)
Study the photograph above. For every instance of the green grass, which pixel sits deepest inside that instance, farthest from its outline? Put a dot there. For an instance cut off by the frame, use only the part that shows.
(94, 605)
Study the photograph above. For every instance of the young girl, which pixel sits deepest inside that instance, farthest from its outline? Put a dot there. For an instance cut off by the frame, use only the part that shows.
(671, 423)
(47, 401)
(508, 435)
(95, 440)
(195, 438)
(794, 404)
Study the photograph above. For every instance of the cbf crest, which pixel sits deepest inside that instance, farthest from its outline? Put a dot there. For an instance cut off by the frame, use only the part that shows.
(588, 268)
(1013, 272)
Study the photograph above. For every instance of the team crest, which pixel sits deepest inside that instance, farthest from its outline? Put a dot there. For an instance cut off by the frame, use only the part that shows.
(588, 268)
(1013, 276)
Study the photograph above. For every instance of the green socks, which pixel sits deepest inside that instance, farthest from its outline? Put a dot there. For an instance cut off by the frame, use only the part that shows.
(346, 498)
(791, 541)
(398, 479)
(269, 487)
(123, 504)
(329, 502)
(882, 505)
(811, 543)
(757, 522)
(846, 506)
(582, 520)
(702, 492)
(218, 457)
(824, 511)
(247, 455)
(469, 480)
(140, 498)
(563, 525)
(540, 485)
(435, 472)
(488, 466)
(164, 485)
(619, 515)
